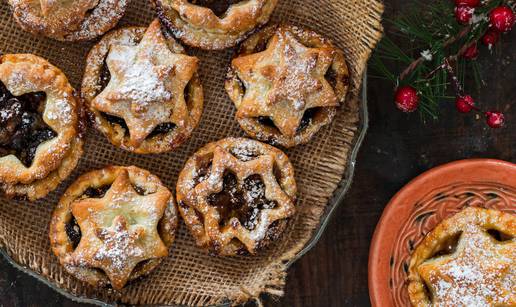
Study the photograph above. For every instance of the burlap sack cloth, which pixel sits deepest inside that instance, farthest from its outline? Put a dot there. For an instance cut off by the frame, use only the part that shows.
(189, 276)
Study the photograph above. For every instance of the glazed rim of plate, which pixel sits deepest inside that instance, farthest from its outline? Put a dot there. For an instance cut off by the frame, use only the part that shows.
(470, 171)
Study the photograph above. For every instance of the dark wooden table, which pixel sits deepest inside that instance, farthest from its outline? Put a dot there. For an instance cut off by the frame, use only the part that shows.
(398, 147)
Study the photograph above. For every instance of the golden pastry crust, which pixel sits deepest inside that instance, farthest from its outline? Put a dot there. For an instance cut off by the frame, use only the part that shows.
(198, 25)
(236, 195)
(467, 260)
(68, 20)
(54, 157)
(152, 85)
(113, 225)
(286, 83)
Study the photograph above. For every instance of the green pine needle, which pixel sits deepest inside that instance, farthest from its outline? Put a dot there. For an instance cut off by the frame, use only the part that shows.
(426, 27)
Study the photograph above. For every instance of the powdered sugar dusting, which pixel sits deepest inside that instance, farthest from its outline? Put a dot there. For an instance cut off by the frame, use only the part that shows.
(245, 151)
(119, 246)
(481, 276)
(141, 82)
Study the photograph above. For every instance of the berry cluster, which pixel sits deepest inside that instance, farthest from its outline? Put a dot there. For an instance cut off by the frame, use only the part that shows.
(501, 20)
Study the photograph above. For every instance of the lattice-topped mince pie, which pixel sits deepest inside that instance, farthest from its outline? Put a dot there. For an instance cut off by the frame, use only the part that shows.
(287, 83)
(40, 137)
(113, 225)
(467, 260)
(214, 24)
(142, 92)
(236, 195)
(68, 20)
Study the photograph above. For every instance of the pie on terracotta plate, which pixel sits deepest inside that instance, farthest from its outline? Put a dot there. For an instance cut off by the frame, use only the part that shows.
(428, 201)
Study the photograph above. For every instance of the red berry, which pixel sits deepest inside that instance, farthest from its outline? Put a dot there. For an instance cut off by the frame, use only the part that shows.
(491, 37)
(471, 52)
(502, 18)
(463, 13)
(407, 99)
(465, 104)
(495, 119)
(470, 3)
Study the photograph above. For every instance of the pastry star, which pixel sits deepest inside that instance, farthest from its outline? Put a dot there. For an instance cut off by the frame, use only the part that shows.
(475, 275)
(147, 85)
(119, 230)
(263, 166)
(284, 81)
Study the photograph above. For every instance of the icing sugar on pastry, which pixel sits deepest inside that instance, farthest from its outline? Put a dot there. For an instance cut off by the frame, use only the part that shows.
(213, 25)
(294, 75)
(243, 189)
(285, 93)
(40, 141)
(479, 271)
(147, 85)
(68, 20)
(126, 222)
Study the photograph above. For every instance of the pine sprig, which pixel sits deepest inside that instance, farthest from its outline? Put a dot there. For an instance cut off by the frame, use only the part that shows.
(431, 36)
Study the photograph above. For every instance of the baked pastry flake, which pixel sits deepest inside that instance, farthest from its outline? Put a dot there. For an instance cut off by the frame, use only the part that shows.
(467, 260)
(286, 83)
(142, 91)
(212, 24)
(68, 20)
(40, 122)
(113, 225)
(236, 195)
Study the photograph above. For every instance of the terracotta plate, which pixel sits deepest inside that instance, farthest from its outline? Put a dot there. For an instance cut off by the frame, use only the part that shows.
(420, 206)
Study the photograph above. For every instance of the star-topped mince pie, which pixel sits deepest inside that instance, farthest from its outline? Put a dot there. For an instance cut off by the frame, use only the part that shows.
(467, 260)
(142, 91)
(40, 139)
(287, 83)
(113, 225)
(236, 195)
(213, 24)
(68, 20)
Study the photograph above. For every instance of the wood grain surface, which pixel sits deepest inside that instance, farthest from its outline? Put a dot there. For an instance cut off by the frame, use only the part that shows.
(398, 147)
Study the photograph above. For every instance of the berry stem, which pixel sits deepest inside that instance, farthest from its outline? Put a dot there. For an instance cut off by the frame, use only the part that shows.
(447, 43)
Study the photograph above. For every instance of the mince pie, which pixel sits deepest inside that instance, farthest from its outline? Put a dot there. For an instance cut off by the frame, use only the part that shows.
(68, 20)
(467, 260)
(214, 24)
(142, 91)
(40, 139)
(236, 195)
(113, 225)
(287, 83)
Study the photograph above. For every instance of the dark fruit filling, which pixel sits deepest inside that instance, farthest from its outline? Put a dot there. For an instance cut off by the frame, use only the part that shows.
(139, 190)
(331, 77)
(217, 6)
(266, 121)
(99, 192)
(499, 236)
(115, 120)
(74, 232)
(162, 129)
(22, 129)
(105, 76)
(307, 119)
(449, 246)
(243, 202)
(202, 173)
